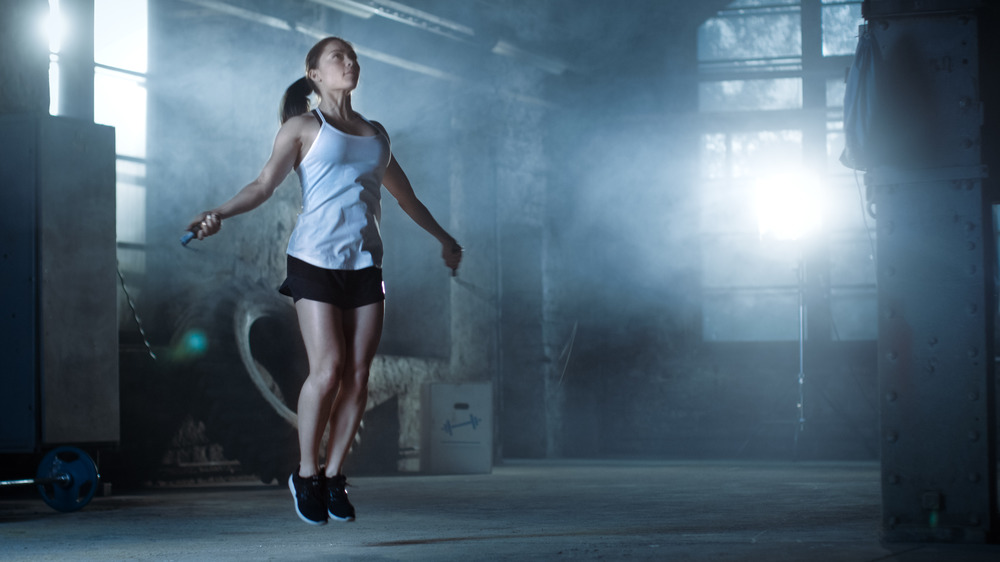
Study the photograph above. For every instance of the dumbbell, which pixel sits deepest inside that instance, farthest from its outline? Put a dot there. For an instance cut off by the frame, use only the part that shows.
(67, 479)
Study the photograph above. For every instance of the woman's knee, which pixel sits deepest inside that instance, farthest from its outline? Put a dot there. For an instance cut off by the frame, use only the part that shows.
(355, 381)
(327, 376)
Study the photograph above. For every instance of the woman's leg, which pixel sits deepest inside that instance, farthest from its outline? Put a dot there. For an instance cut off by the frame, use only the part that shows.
(322, 326)
(362, 330)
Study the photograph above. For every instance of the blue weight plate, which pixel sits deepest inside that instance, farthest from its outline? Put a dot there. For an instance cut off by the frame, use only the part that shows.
(76, 491)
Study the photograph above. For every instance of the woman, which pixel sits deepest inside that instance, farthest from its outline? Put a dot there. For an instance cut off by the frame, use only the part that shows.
(334, 259)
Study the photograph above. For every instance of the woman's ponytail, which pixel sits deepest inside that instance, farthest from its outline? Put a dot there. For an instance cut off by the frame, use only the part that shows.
(296, 99)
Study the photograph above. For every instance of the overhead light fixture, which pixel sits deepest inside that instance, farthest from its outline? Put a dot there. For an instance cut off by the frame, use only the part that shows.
(412, 16)
(355, 9)
(552, 66)
(248, 15)
(401, 13)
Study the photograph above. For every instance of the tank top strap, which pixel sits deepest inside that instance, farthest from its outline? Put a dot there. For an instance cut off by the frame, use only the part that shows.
(379, 129)
(319, 116)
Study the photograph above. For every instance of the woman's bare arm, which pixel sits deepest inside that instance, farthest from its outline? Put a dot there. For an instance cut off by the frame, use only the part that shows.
(396, 182)
(287, 145)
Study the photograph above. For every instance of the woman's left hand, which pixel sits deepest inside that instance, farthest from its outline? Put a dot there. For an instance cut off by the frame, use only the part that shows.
(452, 254)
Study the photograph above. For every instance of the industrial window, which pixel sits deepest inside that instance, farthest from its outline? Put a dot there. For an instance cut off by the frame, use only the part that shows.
(757, 61)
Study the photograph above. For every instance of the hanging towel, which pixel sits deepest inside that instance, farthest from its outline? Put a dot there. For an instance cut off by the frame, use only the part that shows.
(861, 101)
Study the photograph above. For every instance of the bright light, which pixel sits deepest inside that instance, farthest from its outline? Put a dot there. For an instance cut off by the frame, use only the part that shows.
(54, 26)
(53, 85)
(121, 33)
(120, 101)
(789, 205)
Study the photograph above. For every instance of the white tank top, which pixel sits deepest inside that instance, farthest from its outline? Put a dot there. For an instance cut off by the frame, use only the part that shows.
(341, 179)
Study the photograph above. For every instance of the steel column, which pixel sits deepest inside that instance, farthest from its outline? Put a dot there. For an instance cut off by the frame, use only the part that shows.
(935, 359)
(936, 261)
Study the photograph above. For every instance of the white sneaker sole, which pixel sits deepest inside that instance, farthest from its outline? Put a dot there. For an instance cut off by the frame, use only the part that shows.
(342, 519)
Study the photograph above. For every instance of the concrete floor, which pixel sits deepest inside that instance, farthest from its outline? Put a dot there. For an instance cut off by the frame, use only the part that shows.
(545, 510)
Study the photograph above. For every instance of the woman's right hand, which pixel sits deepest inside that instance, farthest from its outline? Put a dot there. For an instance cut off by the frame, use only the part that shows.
(206, 224)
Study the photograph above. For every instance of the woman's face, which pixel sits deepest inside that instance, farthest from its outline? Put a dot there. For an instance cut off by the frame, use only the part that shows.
(337, 68)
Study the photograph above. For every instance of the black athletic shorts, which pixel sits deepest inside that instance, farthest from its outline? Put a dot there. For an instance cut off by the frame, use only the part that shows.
(343, 288)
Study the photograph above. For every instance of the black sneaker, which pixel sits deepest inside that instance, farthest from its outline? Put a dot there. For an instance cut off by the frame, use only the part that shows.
(308, 495)
(337, 505)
